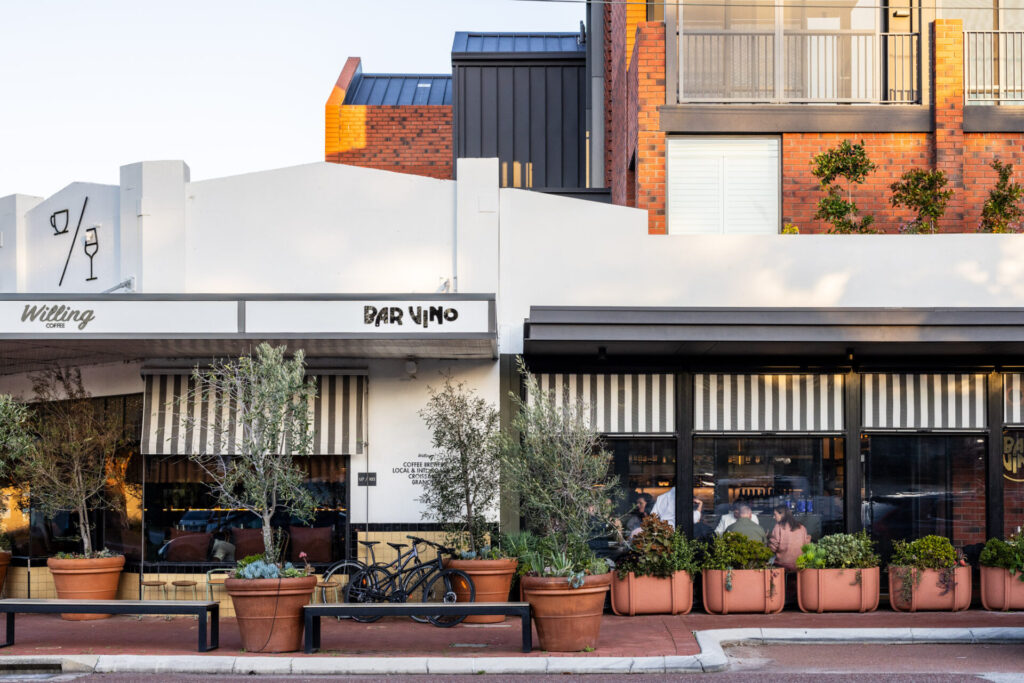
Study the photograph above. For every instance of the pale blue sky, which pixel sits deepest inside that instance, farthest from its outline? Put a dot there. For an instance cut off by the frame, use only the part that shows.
(228, 86)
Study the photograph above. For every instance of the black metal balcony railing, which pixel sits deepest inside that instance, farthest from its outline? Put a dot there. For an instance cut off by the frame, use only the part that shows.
(862, 67)
(994, 67)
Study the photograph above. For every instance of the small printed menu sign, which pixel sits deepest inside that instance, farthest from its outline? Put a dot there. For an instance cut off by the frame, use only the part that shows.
(366, 478)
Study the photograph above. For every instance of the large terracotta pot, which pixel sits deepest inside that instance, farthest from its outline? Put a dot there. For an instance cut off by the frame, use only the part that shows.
(1000, 591)
(837, 590)
(492, 580)
(269, 611)
(652, 594)
(5, 561)
(567, 619)
(748, 591)
(927, 593)
(94, 578)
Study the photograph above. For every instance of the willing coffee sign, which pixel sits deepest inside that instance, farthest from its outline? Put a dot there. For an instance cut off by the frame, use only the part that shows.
(58, 316)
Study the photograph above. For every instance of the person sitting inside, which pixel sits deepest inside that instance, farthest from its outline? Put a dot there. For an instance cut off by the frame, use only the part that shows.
(635, 518)
(746, 526)
(787, 538)
(729, 518)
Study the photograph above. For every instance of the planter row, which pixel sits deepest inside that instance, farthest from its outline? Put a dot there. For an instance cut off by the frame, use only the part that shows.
(818, 590)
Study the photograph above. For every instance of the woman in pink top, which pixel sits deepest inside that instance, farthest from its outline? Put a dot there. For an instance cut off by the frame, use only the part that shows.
(787, 538)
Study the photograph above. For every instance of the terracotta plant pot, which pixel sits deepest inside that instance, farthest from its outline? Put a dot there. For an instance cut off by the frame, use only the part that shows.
(86, 579)
(492, 580)
(927, 594)
(837, 590)
(750, 591)
(652, 594)
(1000, 591)
(567, 619)
(5, 561)
(269, 611)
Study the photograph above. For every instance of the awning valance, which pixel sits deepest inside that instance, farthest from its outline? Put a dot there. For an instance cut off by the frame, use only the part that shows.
(768, 403)
(617, 403)
(339, 417)
(924, 401)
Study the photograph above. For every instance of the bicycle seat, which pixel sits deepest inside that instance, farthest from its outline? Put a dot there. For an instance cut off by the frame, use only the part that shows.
(398, 546)
(369, 544)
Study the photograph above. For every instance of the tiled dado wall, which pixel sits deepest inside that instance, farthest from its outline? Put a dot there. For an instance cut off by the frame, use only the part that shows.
(385, 553)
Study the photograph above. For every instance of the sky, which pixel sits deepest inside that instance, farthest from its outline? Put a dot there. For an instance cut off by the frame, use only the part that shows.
(230, 87)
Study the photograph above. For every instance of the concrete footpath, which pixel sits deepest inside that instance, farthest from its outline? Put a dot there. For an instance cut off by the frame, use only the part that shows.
(654, 644)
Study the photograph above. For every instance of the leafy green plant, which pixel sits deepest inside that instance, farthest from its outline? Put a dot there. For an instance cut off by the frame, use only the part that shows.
(658, 550)
(15, 440)
(1002, 211)
(790, 229)
(839, 551)
(260, 568)
(462, 481)
(735, 551)
(271, 400)
(850, 163)
(96, 554)
(560, 473)
(922, 191)
(1008, 554)
(910, 558)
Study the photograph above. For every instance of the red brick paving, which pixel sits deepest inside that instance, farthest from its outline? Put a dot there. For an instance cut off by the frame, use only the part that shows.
(620, 636)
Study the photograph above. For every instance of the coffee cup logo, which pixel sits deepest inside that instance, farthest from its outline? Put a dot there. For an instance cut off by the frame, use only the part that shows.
(59, 221)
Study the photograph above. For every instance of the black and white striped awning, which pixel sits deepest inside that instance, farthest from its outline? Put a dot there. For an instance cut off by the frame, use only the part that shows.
(618, 403)
(339, 417)
(924, 401)
(1013, 398)
(767, 403)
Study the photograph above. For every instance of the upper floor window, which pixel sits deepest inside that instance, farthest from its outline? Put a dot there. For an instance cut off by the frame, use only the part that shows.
(723, 185)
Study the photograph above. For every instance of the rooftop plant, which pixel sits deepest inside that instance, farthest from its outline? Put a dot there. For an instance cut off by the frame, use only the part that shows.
(1002, 211)
(925, 193)
(849, 163)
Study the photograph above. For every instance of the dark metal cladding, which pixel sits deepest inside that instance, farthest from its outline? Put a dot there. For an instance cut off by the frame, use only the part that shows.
(400, 89)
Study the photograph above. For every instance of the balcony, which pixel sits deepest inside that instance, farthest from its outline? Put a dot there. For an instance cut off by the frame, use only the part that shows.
(994, 67)
(799, 67)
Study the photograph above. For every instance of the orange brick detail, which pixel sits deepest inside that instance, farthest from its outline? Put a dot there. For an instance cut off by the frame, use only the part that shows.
(948, 112)
(405, 139)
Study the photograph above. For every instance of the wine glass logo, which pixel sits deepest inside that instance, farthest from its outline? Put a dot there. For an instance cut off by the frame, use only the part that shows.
(59, 221)
(91, 246)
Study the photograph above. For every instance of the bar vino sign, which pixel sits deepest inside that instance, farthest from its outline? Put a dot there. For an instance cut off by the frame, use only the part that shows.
(376, 317)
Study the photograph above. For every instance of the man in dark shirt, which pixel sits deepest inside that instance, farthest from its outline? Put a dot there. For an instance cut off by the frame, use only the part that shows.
(746, 526)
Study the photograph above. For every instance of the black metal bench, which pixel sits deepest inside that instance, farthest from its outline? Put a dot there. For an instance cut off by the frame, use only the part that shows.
(197, 607)
(314, 612)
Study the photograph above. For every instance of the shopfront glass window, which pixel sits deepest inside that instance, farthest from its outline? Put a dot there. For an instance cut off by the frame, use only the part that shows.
(804, 473)
(646, 468)
(185, 525)
(916, 485)
(1013, 481)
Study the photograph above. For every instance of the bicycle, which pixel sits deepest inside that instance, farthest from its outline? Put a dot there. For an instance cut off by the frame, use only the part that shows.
(423, 581)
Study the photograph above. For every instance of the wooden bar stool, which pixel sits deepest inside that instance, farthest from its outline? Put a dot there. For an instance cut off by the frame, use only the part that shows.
(153, 583)
(323, 586)
(186, 584)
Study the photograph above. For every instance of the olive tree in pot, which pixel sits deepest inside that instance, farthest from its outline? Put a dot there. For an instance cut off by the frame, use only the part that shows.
(656, 575)
(552, 459)
(462, 487)
(75, 464)
(928, 574)
(738, 577)
(839, 573)
(15, 442)
(271, 398)
(1002, 573)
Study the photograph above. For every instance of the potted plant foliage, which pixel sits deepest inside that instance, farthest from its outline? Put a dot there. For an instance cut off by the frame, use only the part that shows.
(462, 486)
(15, 442)
(928, 574)
(739, 577)
(839, 573)
(271, 399)
(656, 575)
(1002, 573)
(76, 464)
(554, 462)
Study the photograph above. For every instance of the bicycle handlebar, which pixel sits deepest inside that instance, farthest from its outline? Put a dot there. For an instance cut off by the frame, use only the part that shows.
(440, 548)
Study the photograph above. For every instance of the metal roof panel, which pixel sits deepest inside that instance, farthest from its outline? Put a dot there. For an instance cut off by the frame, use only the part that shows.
(400, 89)
(476, 42)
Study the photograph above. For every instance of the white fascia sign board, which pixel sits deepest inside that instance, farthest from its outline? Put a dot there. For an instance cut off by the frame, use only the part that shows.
(117, 318)
(372, 316)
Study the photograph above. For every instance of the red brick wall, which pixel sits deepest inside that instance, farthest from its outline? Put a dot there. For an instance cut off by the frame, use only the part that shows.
(969, 499)
(406, 139)
(948, 112)
(650, 144)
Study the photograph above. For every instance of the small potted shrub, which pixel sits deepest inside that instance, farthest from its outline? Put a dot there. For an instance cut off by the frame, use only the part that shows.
(739, 577)
(462, 487)
(554, 462)
(839, 573)
(1002, 574)
(928, 574)
(76, 464)
(271, 398)
(656, 575)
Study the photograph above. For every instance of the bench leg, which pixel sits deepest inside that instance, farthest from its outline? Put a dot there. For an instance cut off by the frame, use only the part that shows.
(9, 635)
(215, 627)
(307, 637)
(202, 631)
(527, 632)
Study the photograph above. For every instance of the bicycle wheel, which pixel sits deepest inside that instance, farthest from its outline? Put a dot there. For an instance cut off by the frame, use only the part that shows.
(419, 579)
(342, 573)
(447, 587)
(368, 585)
